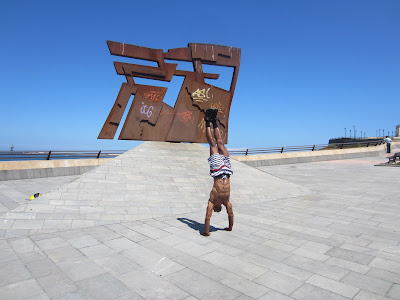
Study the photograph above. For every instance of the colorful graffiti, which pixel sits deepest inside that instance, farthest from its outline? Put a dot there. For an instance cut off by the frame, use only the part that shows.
(154, 95)
(146, 110)
(201, 95)
(221, 108)
(186, 117)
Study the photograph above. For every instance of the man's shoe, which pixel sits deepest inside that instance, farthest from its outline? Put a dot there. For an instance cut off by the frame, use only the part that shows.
(209, 114)
(214, 114)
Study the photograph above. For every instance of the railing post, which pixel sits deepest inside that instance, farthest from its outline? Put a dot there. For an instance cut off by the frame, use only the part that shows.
(282, 149)
(98, 155)
(313, 148)
(48, 155)
(247, 151)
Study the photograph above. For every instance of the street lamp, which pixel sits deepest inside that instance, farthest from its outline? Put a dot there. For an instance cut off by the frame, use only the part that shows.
(354, 127)
(345, 132)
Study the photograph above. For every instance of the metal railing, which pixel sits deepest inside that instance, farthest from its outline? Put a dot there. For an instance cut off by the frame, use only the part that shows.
(47, 155)
(317, 147)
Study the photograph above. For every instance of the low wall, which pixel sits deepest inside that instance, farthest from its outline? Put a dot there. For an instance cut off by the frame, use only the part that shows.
(312, 156)
(14, 170)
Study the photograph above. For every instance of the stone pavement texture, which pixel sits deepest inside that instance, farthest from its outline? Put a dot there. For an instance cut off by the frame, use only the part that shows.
(130, 230)
(14, 193)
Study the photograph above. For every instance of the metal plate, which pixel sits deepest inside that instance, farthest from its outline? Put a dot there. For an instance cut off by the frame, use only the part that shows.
(149, 118)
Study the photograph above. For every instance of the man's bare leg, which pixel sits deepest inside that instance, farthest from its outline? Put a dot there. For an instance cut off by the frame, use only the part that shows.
(211, 142)
(209, 136)
(220, 144)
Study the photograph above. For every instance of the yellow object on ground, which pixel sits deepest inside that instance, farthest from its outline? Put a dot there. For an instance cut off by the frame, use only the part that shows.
(34, 196)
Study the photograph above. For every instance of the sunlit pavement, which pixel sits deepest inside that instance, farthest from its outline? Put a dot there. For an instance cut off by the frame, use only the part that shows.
(326, 230)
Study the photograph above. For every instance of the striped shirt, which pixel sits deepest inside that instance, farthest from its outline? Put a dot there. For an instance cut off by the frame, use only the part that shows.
(220, 165)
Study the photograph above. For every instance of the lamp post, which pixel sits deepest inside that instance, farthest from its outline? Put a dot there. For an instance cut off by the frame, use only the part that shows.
(350, 133)
(354, 127)
(345, 132)
(383, 132)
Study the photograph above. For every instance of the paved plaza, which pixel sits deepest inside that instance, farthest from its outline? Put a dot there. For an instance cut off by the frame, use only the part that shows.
(129, 229)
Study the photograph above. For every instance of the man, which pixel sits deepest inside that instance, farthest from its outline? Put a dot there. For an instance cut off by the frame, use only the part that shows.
(220, 170)
(388, 140)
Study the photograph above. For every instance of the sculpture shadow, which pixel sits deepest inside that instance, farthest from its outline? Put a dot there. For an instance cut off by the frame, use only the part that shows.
(196, 225)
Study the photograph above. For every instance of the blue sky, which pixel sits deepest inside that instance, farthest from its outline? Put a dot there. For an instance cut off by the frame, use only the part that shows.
(309, 69)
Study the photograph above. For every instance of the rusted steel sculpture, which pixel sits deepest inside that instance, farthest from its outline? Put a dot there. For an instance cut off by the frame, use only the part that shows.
(149, 118)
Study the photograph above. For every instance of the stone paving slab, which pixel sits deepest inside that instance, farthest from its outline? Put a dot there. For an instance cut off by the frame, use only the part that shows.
(330, 233)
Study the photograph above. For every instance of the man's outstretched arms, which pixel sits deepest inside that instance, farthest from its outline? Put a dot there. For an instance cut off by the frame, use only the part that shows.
(209, 211)
(229, 210)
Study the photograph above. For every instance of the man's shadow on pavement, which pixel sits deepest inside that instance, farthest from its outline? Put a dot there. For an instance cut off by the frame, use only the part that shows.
(196, 225)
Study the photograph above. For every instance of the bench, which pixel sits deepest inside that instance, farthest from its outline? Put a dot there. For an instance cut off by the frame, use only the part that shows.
(394, 157)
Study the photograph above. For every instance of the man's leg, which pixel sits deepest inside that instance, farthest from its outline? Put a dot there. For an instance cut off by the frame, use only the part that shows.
(220, 144)
(210, 139)
(211, 142)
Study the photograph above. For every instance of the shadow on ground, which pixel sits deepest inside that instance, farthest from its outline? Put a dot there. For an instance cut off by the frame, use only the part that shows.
(196, 225)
